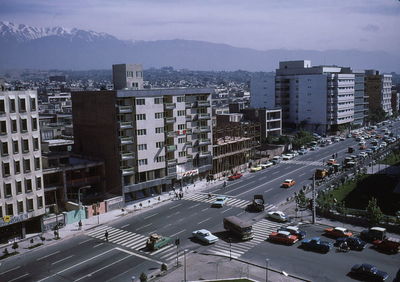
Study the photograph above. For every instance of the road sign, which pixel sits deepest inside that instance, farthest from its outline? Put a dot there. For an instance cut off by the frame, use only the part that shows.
(6, 218)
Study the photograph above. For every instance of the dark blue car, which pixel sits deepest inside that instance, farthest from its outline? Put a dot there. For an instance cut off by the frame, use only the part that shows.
(316, 244)
(353, 243)
(368, 271)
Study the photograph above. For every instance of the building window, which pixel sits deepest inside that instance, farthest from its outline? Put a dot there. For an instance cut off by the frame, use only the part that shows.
(142, 162)
(34, 124)
(159, 144)
(158, 100)
(160, 159)
(140, 102)
(20, 206)
(7, 190)
(141, 117)
(2, 107)
(181, 126)
(6, 169)
(18, 186)
(14, 127)
(27, 165)
(142, 147)
(28, 185)
(141, 132)
(22, 105)
(159, 115)
(181, 113)
(40, 202)
(3, 127)
(1, 211)
(159, 129)
(180, 99)
(29, 204)
(33, 104)
(37, 163)
(25, 145)
(182, 154)
(24, 125)
(38, 183)
(182, 140)
(35, 143)
(12, 105)
(17, 167)
(9, 209)
(4, 148)
(15, 147)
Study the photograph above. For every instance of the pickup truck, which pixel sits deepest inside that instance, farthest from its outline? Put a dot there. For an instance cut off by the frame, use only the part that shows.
(316, 244)
(372, 234)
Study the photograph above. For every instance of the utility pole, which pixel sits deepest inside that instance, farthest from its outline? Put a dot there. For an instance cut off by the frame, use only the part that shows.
(184, 261)
(313, 200)
(266, 269)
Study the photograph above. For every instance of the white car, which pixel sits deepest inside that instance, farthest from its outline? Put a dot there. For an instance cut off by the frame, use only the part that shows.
(363, 154)
(266, 164)
(277, 215)
(220, 201)
(287, 157)
(205, 236)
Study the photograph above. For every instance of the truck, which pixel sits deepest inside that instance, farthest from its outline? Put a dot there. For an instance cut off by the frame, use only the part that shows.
(321, 173)
(156, 241)
(257, 204)
(372, 234)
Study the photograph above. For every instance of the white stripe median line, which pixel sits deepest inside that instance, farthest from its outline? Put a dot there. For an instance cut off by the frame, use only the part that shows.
(26, 274)
(203, 221)
(47, 256)
(85, 241)
(178, 233)
(147, 217)
(144, 226)
(62, 259)
(15, 268)
(126, 225)
(175, 206)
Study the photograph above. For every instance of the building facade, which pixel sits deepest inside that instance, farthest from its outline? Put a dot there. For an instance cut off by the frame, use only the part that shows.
(150, 140)
(270, 121)
(379, 89)
(360, 99)
(21, 179)
(127, 76)
(319, 99)
(262, 90)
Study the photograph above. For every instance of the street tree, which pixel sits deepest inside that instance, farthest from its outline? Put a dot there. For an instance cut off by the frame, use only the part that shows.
(374, 213)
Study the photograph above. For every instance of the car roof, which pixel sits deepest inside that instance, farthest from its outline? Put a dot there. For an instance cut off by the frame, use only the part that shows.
(221, 198)
(286, 233)
(288, 180)
(203, 231)
(381, 229)
(295, 228)
(340, 229)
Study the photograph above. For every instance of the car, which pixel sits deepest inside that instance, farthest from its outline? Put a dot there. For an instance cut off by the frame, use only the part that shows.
(336, 139)
(338, 232)
(255, 168)
(220, 201)
(266, 164)
(313, 148)
(303, 152)
(341, 138)
(287, 157)
(205, 236)
(235, 176)
(363, 154)
(288, 183)
(283, 237)
(369, 272)
(294, 230)
(369, 151)
(316, 244)
(363, 147)
(354, 243)
(277, 215)
(276, 160)
(331, 162)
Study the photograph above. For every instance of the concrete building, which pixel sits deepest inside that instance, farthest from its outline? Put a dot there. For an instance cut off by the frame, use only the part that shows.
(270, 121)
(127, 76)
(150, 140)
(360, 99)
(21, 180)
(319, 99)
(395, 100)
(379, 89)
(262, 90)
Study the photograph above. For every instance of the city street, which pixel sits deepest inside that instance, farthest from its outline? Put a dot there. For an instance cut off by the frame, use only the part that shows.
(89, 257)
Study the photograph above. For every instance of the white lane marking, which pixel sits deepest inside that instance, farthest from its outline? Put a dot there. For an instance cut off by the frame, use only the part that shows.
(98, 245)
(85, 241)
(168, 216)
(203, 221)
(175, 206)
(275, 172)
(150, 216)
(178, 233)
(194, 206)
(302, 174)
(62, 259)
(267, 190)
(15, 268)
(137, 255)
(49, 255)
(204, 209)
(231, 190)
(126, 225)
(240, 213)
(144, 226)
(19, 277)
(227, 210)
(82, 262)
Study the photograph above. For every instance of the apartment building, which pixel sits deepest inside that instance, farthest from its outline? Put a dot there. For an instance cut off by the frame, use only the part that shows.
(360, 99)
(270, 121)
(379, 89)
(21, 180)
(319, 99)
(127, 76)
(262, 90)
(150, 140)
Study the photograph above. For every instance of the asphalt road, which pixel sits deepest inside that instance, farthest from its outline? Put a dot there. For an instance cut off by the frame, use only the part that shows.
(89, 257)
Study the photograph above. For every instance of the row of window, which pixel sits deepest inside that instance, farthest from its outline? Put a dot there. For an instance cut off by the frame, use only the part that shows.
(158, 129)
(179, 99)
(5, 146)
(27, 184)
(6, 166)
(160, 159)
(23, 125)
(21, 208)
(12, 106)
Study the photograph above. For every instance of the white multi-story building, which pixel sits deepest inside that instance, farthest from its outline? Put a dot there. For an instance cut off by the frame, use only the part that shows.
(21, 179)
(317, 98)
(127, 76)
(262, 91)
(379, 89)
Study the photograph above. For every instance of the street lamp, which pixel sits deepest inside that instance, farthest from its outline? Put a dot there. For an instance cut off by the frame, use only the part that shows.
(266, 269)
(79, 199)
(184, 261)
(230, 248)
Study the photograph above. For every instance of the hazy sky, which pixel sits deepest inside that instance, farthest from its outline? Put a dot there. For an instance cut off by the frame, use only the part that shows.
(258, 24)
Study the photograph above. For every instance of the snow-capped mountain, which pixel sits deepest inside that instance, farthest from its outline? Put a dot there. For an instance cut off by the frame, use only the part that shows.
(21, 33)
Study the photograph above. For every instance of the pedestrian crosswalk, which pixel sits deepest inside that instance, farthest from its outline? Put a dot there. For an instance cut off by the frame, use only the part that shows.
(261, 231)
(305, 163)
(131, 240)
(233, 202)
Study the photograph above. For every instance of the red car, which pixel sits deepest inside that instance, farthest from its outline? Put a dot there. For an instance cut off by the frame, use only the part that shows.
(338, 232)
(234, 176)
(283, 237)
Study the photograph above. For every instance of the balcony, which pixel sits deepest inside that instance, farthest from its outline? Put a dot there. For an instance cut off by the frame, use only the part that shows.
(125, 109)
(203, 103)
(203, 154)
(171, 134)
(172, 162)
(127, 156)
(188, 144)
(203, 142)
(189, 157)
(126, 140)
(170, 120)
(169, 106)
(171, 148)
(125, 125)
(127, 170)
(205, 128)
(188, 118)
(196, 129)
(188, 105)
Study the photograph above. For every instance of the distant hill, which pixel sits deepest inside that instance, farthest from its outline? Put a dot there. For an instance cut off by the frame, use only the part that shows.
(23, 46)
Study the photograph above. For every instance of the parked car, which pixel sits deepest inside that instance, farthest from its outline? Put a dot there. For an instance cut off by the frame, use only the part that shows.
(316, 244)
(388, 244)
(369, 272)
(266, 164)
(219, 202)
(277, 215)
(255, 168)
(288, 183)
(287, 157)
(205, 236)
(338, 232)
(294, 230)
(283, 237)
(303, 152)
(372, 234)
(354, 243)
(331, 162)
(363, 154)
(235, 176)
(276, 160)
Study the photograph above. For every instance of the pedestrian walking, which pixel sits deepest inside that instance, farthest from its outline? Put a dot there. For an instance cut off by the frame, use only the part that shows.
(80, 224)
(106, 235)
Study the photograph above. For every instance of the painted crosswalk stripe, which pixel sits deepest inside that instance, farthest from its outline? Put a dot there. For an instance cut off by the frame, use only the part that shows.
(139, 240)
(131, 240)
(162, 250)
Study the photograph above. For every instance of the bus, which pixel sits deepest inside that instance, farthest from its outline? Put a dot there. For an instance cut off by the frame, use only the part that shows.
(240, 228)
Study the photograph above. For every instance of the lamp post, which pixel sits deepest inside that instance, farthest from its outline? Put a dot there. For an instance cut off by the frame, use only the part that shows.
(230, 248)
(184, 261)
(266, 269)
(79, 199)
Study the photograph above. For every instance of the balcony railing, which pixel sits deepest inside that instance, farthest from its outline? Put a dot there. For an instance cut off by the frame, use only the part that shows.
(125, 124)
(205, 128)
(171, 148)
(127, 156)
(127, 170)
(196, 129)
(188, 118)
(170, 120)
(203, 142)
(204, 154)
(188, 144)
(204, 116)
(188, 105)
(126, 140)
(170, 106)
(125, 109)
(171, 134)
(203, 103)
(172, 162)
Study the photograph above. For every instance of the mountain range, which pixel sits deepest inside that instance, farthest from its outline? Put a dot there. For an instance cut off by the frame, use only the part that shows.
(23, 46)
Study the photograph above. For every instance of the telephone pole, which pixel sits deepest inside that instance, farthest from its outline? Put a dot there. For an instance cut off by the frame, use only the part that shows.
(313, 200)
